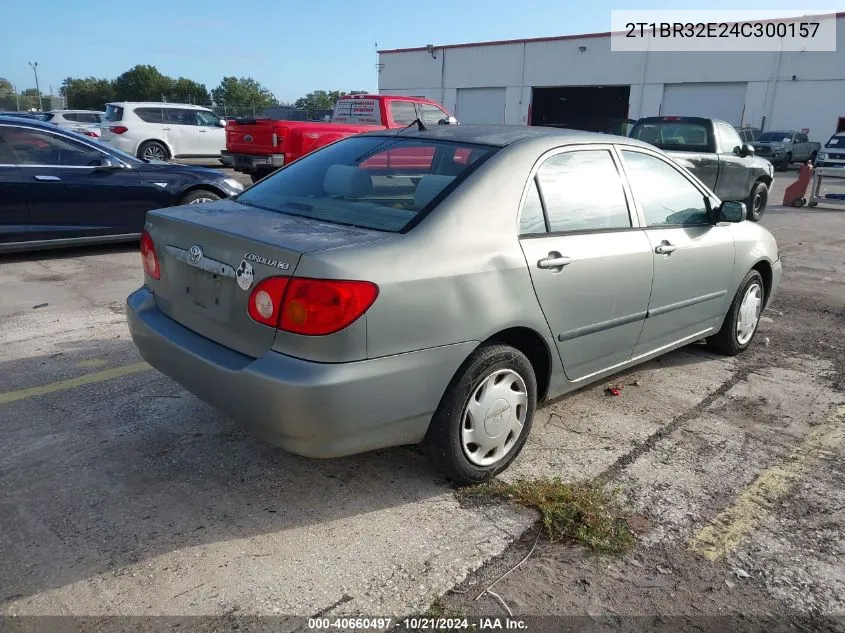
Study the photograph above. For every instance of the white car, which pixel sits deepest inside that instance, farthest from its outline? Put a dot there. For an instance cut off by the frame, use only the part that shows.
(74, 120)
(833, 153)
(161, 131)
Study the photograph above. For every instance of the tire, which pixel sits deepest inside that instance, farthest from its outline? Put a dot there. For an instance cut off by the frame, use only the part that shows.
(256, 177)
(757, 201)
(484, 377)
(786, 163)
(728, 341)
(198, 196)
(149, 149)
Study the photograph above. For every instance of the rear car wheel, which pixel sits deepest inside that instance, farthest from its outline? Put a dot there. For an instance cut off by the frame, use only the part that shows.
(198, 196)
(741, 322)
(757, 201)
(153, 150)
(485, 415)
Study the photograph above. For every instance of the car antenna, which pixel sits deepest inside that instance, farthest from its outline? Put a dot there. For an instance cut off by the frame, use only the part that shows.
(420, 126)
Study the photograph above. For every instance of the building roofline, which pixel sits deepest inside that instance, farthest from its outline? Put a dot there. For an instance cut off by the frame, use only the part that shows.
(552, 38)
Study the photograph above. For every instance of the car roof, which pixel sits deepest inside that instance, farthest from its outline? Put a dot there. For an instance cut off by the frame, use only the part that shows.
(157, 104)
(503, 135)
(75, 112)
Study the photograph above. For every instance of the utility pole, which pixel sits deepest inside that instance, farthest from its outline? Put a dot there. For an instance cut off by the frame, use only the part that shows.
(34, 66)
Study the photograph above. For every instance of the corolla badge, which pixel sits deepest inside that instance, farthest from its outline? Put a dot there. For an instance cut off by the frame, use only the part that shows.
(248, 138)
(195, 254)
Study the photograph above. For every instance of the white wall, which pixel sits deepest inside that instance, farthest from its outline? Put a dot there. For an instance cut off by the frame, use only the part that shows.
(815, 99)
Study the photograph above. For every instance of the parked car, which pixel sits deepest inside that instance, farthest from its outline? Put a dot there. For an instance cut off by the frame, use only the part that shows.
(38, 116)
(748, 134)
(346, 303)
(60, 188)
(786, 147)
(714, 152)
(833, 152)
(161, 131)
(75, 120)
(259, 146)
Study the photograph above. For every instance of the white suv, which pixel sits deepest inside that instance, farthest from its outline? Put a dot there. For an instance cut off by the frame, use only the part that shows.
(75, 120)
(161, 131)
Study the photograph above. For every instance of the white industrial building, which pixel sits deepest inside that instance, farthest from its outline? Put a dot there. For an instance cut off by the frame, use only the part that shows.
(577, 81)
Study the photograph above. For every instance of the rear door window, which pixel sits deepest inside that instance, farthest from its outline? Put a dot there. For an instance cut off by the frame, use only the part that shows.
(582, 191)
(149, 115)
(176, 116)
(403, 112)
(532, 221)
(70, 116)
(88, 117)
(38, 147)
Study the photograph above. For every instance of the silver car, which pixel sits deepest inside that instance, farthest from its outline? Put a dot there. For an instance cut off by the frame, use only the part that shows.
(432, 286)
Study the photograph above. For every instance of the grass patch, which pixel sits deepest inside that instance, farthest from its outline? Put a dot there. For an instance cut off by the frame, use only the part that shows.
(584, 511)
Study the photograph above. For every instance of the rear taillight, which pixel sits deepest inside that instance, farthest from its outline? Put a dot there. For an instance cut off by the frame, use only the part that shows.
(313, 307)
(90, 133)
(118, 129)
(265, 302)
(149, 257)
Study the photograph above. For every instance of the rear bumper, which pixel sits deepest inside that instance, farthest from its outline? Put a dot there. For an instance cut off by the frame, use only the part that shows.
(249, 163)
(312, 409)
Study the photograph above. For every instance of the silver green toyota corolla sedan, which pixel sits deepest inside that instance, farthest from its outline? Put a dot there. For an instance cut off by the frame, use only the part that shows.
(433, 285)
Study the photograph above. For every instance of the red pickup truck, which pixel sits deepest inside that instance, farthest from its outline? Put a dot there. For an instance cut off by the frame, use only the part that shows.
(260, 146)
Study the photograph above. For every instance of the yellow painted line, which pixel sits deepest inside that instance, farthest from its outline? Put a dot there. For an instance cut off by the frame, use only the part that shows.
(87, 379)
(92, 363)
(731, 526)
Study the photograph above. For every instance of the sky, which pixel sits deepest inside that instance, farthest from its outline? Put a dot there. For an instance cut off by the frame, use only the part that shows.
(292, 47)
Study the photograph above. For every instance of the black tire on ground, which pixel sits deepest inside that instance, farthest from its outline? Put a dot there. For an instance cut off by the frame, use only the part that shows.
(199, 195)
(757, 201)
(155, 147)
(784, 165)
(256, 177)
(443, 442)
(726, 340)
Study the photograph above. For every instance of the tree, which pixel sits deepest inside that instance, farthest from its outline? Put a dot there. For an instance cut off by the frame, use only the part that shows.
(89, 93)
(318, 100)
(142, 83)
(8, 99)
(241, 92)
(189, 91)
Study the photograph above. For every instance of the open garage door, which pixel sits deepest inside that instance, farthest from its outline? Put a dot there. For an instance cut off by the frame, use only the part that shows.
(724, 101)
(481, 105)
(589, 108)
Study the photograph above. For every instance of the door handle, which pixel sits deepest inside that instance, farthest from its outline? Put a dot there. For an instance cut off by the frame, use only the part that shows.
(166, 129)
(665, 248)
(47, 178)
(201, 131)
(554, 260)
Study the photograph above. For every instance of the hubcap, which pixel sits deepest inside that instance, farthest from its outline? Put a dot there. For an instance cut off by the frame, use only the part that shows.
(154, 152)
(758, 202)
(200, 200)
(494, 417)
(749, 313)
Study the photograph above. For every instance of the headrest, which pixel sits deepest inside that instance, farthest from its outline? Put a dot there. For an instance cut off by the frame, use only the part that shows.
(429, 187)
(343, 181)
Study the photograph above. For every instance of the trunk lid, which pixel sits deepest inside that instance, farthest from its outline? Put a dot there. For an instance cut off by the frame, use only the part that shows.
(240, 246)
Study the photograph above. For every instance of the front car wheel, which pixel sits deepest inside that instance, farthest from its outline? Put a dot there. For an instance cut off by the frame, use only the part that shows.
(743, 317)
(757, 201)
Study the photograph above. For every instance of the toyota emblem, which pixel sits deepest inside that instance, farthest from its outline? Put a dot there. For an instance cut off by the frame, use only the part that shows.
(195, 254)
(248, 138)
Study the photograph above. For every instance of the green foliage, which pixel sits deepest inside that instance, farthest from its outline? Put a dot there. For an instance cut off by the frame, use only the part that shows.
(87, 94)
(581, 511)
(234, 92)
(142, 83)
(318, 100)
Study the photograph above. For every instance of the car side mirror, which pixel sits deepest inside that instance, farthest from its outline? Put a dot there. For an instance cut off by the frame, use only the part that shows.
(450, 120)
(730, 211)
(746, 149)
(221, 123)
(107, 163)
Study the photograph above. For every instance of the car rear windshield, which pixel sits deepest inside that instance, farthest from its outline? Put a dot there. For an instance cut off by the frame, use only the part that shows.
(674, 135)
(372, 182)
(113, 113)
(358, 111)
(775, 137)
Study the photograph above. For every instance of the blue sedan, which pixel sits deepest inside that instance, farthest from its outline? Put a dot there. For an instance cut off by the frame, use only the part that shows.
(59, 188)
